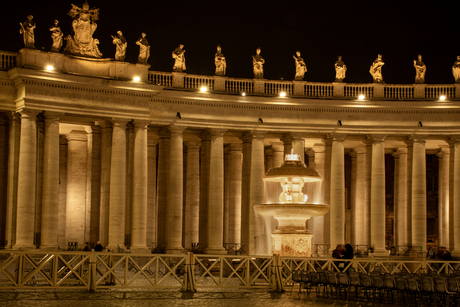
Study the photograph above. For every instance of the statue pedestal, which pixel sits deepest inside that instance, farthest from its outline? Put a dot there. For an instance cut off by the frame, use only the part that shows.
(292, 244)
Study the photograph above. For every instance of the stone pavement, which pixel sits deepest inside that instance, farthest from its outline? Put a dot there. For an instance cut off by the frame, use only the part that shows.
(141, 298)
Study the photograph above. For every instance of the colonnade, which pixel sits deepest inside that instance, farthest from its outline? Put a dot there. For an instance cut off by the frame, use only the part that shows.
(154, 184)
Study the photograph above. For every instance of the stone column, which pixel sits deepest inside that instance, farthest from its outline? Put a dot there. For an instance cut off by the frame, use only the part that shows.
(94, 183)
(163, 183)
(152, 208)
(316, 156)
(377, 216)
(337, 190)
(12, 180)
(401, 210)
(192, 192)
(327, 191)
(409, 143)
(455, 202)
(39, 176)
(50, 195)
(269, 158)
(139, 188)
(419, 193)
(256, 225)
(106, 161)
(234, 223)
(367, 191)
(76, 187)
(175, 191)
(443, 196)
(4, 132)
(278, 154)
(226, 190)
(298, 143)
(287, 142)
(245, 185)
(204, 187)
(26, 181)
(129, 181)
(63, 150)
(216, 194)
(118, 186)
(357, 205)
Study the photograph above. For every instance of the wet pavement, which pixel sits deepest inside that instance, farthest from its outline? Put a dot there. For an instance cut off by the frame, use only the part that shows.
(140, 298)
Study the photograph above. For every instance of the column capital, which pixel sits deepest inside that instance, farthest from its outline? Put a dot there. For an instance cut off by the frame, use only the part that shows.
(318, 148)
(29, 113)
(337, 137)
(216, 132)
(120, 122)
(286, 138)
(418, 138)
(94, 129)
(163, 133)
(258, 134)
(268, 150)
(192, 145)
(246, 137)
(105, 124)
(77, 135)
(376, 137)
(176, 129)
(398, 152)
(277, 146)
(236, 147)
(453, 139)
(14, 116)
(139, 123)
(360, 150)
(205, 135)
(297, 135)
(52, 116)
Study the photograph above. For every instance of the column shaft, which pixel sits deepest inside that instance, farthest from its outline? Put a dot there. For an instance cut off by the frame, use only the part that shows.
(106, 162)
(152, 208)
(245, 187)
(443, 197)
(419, 194)
(204, 186)
(162, 184)
(192, 192)
(234, 224)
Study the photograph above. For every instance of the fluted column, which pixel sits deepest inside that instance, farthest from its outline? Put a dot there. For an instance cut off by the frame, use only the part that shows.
(12, 185)
(377, 212)
(152, 208)
(50, 195)
(234, 223)
(357, 203)
(455, 202)
(337, 190)
(245, 186)
(26, 181)
(278, 153)
(419, 193)
(139, 187)
(401, 207)
(76, 187)
(192, 192)
(204, 187)
(118, 186)
(106, 161)
(216, 194)
(256, 225)
(163, 183)
(174, 209)
(443, 196)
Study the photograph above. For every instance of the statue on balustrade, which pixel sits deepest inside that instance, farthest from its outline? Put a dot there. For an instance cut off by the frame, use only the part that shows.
(27, 30)
(179, 59)
(120, 41)
(144, 49)
(221, 63)
(456, 70)
(258, 65)
(376, 69)
(84, 25)
(300, 67)
(340, 69)
(56, 35)
(420, 70)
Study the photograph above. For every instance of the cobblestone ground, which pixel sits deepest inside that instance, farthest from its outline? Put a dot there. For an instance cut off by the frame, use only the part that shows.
(140, 298)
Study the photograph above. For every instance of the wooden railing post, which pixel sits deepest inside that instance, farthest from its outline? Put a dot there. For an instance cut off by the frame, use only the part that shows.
(92, 271)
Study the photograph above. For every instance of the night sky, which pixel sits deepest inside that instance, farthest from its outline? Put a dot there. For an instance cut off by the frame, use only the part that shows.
(356, 30)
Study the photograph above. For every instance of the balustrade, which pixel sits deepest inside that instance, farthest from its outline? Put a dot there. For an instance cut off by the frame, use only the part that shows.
(7, 59)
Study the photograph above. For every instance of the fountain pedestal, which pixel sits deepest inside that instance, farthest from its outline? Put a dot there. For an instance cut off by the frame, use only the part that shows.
(292, 244)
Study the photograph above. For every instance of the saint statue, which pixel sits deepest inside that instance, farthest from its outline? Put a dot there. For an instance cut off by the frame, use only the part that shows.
(120, 41)
(84, 25)
(56, 35)
(179, 59)
(456, 70)
(27, 30)
(420, 70)
(144, 49)
(258, 65)
(340, 69)
(376, 69)
(300, 67)
(221, 63)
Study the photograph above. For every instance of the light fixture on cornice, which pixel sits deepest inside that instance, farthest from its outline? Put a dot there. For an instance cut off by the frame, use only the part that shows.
(283, 94)
(361, 97)
(49, 68)
(136, 79)
(442, 98)
(203, 89)
(243, 94)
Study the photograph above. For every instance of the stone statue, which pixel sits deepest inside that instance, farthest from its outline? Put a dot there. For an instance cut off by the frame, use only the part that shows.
(179, 59)
(420, 70)
(221, 63)
(56, 35)
(27, 30)
(258, 65)
(84, 25)
(376, 69)
(300, 67)
(144, 49)
(456, 70)
(340, 69)
(120, 41)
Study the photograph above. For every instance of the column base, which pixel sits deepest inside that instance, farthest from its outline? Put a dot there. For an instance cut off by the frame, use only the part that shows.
(115, 248)
(51, 248)
(215, 251)
(175, 251)
(24, 247)
(139, 250)
(380, 252)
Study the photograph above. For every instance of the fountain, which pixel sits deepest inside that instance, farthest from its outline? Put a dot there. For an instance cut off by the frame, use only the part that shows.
(292, 238)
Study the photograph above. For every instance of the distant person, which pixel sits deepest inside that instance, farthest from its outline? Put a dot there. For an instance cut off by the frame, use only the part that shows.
(430, 253)
(445, 254)
(87, 248)
(99, 247)
(349, 252)
(338, 252)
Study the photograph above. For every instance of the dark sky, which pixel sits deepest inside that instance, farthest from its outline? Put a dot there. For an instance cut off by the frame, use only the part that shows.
(357, 30)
